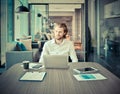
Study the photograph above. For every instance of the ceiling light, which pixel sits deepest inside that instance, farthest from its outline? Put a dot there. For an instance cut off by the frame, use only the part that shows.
(22, 9)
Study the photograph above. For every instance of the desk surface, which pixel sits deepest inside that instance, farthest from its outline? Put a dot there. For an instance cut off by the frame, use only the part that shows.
(59, 81)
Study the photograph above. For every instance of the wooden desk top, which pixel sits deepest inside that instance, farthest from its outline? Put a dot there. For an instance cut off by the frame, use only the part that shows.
(58, 81)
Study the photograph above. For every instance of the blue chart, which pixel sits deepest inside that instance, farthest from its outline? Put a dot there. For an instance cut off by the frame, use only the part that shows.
(88, 76)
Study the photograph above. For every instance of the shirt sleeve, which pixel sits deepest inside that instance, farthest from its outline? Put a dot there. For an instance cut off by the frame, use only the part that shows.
(44, 52)
(73, 53)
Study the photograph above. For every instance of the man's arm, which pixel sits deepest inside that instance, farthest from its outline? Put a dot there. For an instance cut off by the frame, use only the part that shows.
(73, 53)
(44, 52)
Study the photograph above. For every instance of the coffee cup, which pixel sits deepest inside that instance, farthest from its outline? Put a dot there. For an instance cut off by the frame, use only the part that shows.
(26, 64)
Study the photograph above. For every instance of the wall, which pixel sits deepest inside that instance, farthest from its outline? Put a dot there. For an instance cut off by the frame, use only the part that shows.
(38, 20)
(109, 27)
(20, 21)
(10, 20)
(110, 34)
(75, 26)
(66, 14)
(7, 26)
(56, 1)
(78, 25)
(91, 21)
(3, 29)
(0, 34)
(63, 19)
(104, 23)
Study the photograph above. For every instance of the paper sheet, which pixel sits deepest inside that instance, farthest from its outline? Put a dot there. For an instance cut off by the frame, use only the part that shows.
(33, 76)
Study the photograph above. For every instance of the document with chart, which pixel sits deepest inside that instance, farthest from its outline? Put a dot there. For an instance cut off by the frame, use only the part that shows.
(92, 76)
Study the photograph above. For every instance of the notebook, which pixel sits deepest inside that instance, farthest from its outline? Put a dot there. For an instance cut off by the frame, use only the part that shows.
(56, 61)
(35, 66)
(86, 70)
(33, 76)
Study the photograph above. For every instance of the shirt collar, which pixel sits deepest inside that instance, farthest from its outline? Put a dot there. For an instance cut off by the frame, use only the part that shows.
(53, 41)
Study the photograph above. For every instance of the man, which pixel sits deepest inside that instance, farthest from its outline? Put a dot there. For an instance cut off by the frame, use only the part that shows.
(59, 45)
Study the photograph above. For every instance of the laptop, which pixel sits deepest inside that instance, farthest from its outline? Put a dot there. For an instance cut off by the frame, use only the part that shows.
(56, 61)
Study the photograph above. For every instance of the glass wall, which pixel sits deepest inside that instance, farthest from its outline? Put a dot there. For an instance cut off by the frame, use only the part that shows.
(109, 20)
(10, 19)
(21, 29)
(38, 22)
(3, 29)
(108, 31)
(43, 17)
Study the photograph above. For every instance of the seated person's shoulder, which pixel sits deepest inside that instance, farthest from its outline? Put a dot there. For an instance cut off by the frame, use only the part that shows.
(69, 41)
(48, 42)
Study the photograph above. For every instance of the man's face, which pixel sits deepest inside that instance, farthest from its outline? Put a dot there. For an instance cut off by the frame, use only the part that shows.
(58, 33)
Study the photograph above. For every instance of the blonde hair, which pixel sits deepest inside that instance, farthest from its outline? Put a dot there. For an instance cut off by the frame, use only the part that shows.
(64, 26)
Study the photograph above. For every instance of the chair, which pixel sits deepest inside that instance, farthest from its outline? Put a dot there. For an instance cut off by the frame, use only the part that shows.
(13, 57)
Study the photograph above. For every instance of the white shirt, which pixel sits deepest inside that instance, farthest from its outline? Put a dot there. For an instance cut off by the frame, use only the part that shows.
(65, 48)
